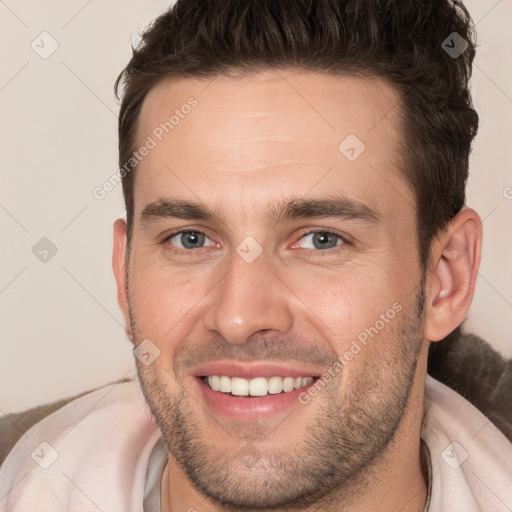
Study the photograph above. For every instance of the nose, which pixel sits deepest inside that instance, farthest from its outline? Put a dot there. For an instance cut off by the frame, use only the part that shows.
(249, 299)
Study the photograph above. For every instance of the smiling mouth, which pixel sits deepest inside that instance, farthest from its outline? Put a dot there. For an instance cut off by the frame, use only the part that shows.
(257, 387)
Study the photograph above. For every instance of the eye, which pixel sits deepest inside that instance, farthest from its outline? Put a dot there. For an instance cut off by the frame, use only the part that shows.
(183, 242)
(320, 240)
(188, 240)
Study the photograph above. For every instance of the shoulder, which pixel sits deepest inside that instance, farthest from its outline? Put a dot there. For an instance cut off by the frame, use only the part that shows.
(13, 426)
(95, 440)
(470, 459)
(470, 366)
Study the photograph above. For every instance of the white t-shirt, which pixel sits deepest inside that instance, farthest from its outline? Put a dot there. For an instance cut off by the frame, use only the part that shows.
(103, 452)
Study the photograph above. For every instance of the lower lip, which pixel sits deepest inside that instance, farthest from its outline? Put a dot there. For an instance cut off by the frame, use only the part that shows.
(250, 408)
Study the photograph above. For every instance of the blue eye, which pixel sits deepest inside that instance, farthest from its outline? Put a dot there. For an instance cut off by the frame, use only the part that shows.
(188, 239)
(185, 242)
(322, 240)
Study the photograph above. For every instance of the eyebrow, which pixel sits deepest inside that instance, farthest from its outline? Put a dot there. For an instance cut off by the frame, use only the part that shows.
(290, 209)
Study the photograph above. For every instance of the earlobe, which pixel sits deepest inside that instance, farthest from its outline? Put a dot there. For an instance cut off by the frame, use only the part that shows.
(120, 271)
(450, 282)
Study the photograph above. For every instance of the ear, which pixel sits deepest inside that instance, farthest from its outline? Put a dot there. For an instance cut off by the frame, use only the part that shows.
(120, 271)
(451, 278)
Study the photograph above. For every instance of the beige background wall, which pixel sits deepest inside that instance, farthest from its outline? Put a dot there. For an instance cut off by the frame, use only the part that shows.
(61, 328)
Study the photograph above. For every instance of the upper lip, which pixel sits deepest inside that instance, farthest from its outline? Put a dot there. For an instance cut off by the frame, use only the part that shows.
(253, 370)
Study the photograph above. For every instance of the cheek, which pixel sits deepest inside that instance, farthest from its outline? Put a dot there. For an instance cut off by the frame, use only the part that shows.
(357, 302)
(164, 298)
(341, 303)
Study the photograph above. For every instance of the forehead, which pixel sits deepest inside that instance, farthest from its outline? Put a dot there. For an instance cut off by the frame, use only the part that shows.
(253, 138)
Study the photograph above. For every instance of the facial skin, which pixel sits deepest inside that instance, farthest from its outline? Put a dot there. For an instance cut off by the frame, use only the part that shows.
(249, 145)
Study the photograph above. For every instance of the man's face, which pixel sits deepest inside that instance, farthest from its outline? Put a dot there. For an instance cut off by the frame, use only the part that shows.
(257, 290)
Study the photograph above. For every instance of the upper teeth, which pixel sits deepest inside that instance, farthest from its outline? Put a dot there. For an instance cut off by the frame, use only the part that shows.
(260, 386)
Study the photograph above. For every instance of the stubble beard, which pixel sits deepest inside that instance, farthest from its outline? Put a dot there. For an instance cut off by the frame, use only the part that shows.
(339, 450)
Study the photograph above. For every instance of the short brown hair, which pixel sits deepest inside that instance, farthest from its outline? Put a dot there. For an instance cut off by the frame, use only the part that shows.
(405, 42)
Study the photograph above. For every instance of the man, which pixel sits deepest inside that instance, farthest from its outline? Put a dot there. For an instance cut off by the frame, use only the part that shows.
(296, 240)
